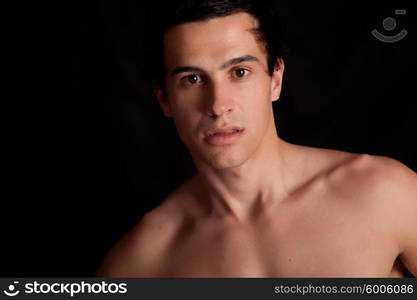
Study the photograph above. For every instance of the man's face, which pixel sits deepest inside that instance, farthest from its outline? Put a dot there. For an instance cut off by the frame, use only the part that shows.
(217, 79)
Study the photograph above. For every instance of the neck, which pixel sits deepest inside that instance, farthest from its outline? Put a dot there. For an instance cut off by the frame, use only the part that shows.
(246, 191)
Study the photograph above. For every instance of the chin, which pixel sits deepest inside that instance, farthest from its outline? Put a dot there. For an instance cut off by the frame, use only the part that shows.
(224, 161)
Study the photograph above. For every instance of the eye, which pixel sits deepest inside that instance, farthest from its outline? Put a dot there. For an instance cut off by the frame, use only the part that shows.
(191, 79)
(240, 72)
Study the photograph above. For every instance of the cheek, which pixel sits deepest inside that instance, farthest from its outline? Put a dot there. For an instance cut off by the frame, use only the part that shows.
(183, 100)
(258, 108)
(255, 99)
(186, 120)
(184, 106)
(186, 112)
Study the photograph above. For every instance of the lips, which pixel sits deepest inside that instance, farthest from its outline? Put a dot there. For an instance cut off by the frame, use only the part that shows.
(223, 131)
(223, 136)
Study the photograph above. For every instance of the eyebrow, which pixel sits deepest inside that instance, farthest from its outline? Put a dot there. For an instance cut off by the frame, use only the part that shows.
(231, 62)
(238, 60)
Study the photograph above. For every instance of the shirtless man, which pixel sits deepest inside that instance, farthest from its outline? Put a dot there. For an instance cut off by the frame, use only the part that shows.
(260, 206)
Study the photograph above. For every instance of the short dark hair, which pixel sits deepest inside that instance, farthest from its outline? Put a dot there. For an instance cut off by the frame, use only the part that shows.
(177, 12)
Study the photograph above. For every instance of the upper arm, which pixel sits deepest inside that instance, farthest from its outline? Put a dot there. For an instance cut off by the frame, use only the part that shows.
(408, 220)
(400, 186)
(139, 252)
(120, 261)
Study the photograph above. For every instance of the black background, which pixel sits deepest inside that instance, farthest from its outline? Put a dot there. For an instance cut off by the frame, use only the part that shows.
(90, 151)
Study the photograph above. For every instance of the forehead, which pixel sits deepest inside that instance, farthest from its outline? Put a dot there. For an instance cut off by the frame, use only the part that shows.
(212, 41)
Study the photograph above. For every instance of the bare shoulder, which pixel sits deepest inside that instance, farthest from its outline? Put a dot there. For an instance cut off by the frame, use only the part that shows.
(385, 190)
(378, 180)
(141, 252)
(375, 174)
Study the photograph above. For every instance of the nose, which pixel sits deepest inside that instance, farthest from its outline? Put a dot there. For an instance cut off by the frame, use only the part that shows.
(220, 100)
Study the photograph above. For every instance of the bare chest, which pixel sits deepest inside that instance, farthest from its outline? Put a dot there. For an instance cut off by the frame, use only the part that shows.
(314, 246)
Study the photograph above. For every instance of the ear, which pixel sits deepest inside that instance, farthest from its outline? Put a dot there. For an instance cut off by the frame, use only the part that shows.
(162, 99)
(276, 82)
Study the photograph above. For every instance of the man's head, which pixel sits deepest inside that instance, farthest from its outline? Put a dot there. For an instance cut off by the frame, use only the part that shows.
(221, 69)
(175, 12)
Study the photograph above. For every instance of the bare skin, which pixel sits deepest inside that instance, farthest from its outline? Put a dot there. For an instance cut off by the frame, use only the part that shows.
(343, 222)
(259, 206)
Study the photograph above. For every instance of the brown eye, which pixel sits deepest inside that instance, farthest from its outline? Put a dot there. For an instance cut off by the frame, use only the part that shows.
(192, 79)
(240, 72)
